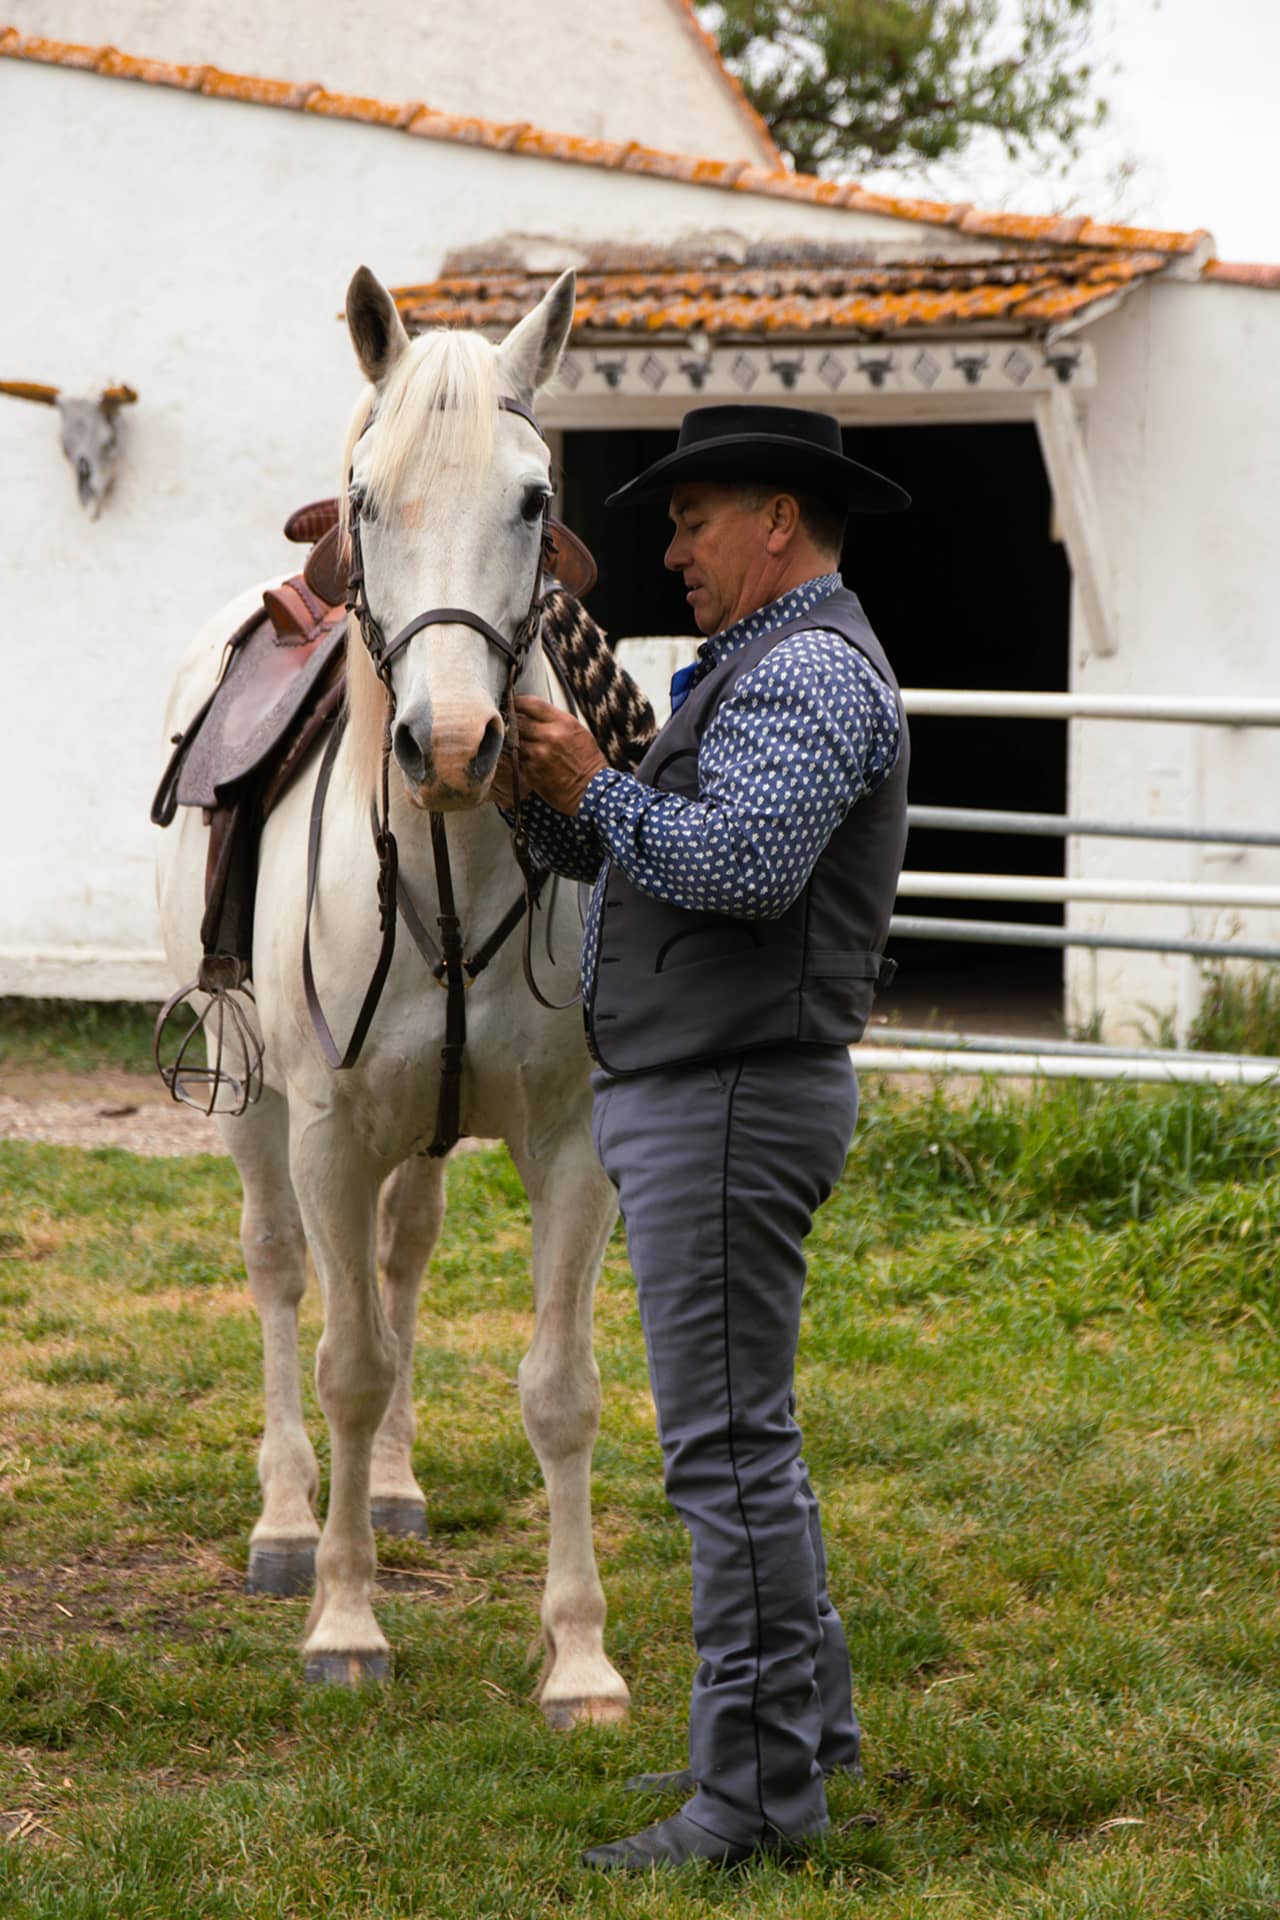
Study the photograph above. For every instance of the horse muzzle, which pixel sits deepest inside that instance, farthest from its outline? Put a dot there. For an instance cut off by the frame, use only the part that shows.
(447, 754)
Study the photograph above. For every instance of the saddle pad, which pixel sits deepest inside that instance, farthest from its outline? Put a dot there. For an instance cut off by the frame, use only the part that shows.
(265, 689)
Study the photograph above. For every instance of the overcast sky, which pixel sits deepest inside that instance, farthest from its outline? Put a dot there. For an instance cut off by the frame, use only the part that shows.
(1196, 103)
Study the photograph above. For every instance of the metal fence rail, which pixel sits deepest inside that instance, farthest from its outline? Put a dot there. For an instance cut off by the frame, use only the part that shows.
(1021, 933)
(931, 1038)
(923, 1051)
(1192, 1070)
(1061, 826)
(966, 703)
(1051, 889)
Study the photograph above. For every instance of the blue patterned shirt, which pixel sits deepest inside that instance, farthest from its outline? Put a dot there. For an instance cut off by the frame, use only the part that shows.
(808, 731)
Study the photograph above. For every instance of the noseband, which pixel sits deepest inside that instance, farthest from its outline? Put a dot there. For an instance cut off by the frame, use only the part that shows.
(446, 960)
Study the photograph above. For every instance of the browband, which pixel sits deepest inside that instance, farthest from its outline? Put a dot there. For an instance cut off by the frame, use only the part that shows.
(518, 406)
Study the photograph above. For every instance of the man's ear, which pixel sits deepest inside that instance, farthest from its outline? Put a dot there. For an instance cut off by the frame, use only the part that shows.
(784, 522)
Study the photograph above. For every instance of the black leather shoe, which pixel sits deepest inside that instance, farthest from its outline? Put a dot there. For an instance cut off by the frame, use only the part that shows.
(673, 1843)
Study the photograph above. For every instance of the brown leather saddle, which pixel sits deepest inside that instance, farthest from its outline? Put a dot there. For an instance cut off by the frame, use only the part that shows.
(282, 683)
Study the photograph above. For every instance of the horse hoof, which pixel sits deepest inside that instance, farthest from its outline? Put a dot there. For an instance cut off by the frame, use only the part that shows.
(281, 1568)
(591, 1710)
(347, 1669)
(399, 1516)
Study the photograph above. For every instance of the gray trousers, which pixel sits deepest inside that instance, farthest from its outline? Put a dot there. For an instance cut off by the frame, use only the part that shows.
(720, 1169)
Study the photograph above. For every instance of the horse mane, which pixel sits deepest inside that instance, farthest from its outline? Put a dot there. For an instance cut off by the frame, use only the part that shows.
(439, 403)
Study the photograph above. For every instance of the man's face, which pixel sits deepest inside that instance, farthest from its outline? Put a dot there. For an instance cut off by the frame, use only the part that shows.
(719, 545)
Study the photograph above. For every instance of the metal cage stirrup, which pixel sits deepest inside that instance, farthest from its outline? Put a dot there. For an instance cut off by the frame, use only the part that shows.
(198, 1084)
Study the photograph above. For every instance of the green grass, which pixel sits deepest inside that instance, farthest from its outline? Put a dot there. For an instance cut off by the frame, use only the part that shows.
(1039, 1388)
(1239, 1011)
(76, 1036)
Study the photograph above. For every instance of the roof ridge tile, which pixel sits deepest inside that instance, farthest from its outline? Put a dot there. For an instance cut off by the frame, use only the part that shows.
(627, 157)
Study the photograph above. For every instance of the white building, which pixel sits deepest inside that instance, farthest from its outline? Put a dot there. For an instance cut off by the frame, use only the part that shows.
(1087, 416)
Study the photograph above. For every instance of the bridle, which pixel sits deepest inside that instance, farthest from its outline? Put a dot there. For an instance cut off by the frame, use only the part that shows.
(447, 960)
(383, 653)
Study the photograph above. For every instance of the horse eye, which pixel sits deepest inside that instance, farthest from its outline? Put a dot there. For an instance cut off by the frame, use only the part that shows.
(360, 508)
(533, 503)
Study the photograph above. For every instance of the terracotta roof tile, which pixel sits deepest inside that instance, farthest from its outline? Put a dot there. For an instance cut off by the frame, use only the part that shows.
(1244, 273)
(426, 123)
(1023, 293)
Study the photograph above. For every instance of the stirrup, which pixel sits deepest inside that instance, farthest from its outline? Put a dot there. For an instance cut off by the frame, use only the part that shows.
(189, 1081)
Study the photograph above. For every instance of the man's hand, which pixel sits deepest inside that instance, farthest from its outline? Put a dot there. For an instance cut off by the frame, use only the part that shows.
(558, 756)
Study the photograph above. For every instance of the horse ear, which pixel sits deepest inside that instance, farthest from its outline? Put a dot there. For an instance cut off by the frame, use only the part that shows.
(532, 350)
(377, 331)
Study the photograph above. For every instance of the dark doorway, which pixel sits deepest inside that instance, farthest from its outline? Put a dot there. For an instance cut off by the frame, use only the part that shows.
(968, 589)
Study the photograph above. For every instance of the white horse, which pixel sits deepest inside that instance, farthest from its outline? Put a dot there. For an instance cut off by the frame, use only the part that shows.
(450, 489)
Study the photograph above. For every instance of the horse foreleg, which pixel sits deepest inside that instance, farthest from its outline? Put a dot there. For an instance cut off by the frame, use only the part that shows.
(410, 1213)
(573, 1209)
(282, 1546)
(355, 1374)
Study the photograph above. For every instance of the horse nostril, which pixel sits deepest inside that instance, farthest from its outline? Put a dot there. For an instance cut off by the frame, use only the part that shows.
(410, 758)
(486, 754)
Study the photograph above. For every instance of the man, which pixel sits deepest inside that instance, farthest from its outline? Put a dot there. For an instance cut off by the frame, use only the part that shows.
(744, 879)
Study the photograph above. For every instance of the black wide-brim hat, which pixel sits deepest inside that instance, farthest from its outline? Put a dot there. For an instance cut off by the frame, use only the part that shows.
(787, 447)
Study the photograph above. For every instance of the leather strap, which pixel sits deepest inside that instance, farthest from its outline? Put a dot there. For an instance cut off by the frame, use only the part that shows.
(449, 1108)
(444, 617)
(534, 877)
(506, 404)
(510, 920)
(487, 951)
(388, 864)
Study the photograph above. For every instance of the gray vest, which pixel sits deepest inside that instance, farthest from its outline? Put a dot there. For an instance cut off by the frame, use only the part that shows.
(673, 986)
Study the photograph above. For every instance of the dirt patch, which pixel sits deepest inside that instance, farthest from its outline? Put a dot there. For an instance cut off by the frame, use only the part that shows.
(24, 1824)
(102, 1110)
(133, 1110)
(103, 1595)
(126, 1110)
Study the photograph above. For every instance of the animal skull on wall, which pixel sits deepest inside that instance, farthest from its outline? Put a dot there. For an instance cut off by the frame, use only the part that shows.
(89, 434)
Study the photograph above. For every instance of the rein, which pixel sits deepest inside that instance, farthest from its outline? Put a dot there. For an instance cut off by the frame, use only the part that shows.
(447, 960)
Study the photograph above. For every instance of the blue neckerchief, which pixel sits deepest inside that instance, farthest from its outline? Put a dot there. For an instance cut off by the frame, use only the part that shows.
(720, 645)
(682, 684)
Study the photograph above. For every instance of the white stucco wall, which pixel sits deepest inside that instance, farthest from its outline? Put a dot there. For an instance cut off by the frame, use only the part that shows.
(1184, 443)
(589, 67)
(199, 250)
